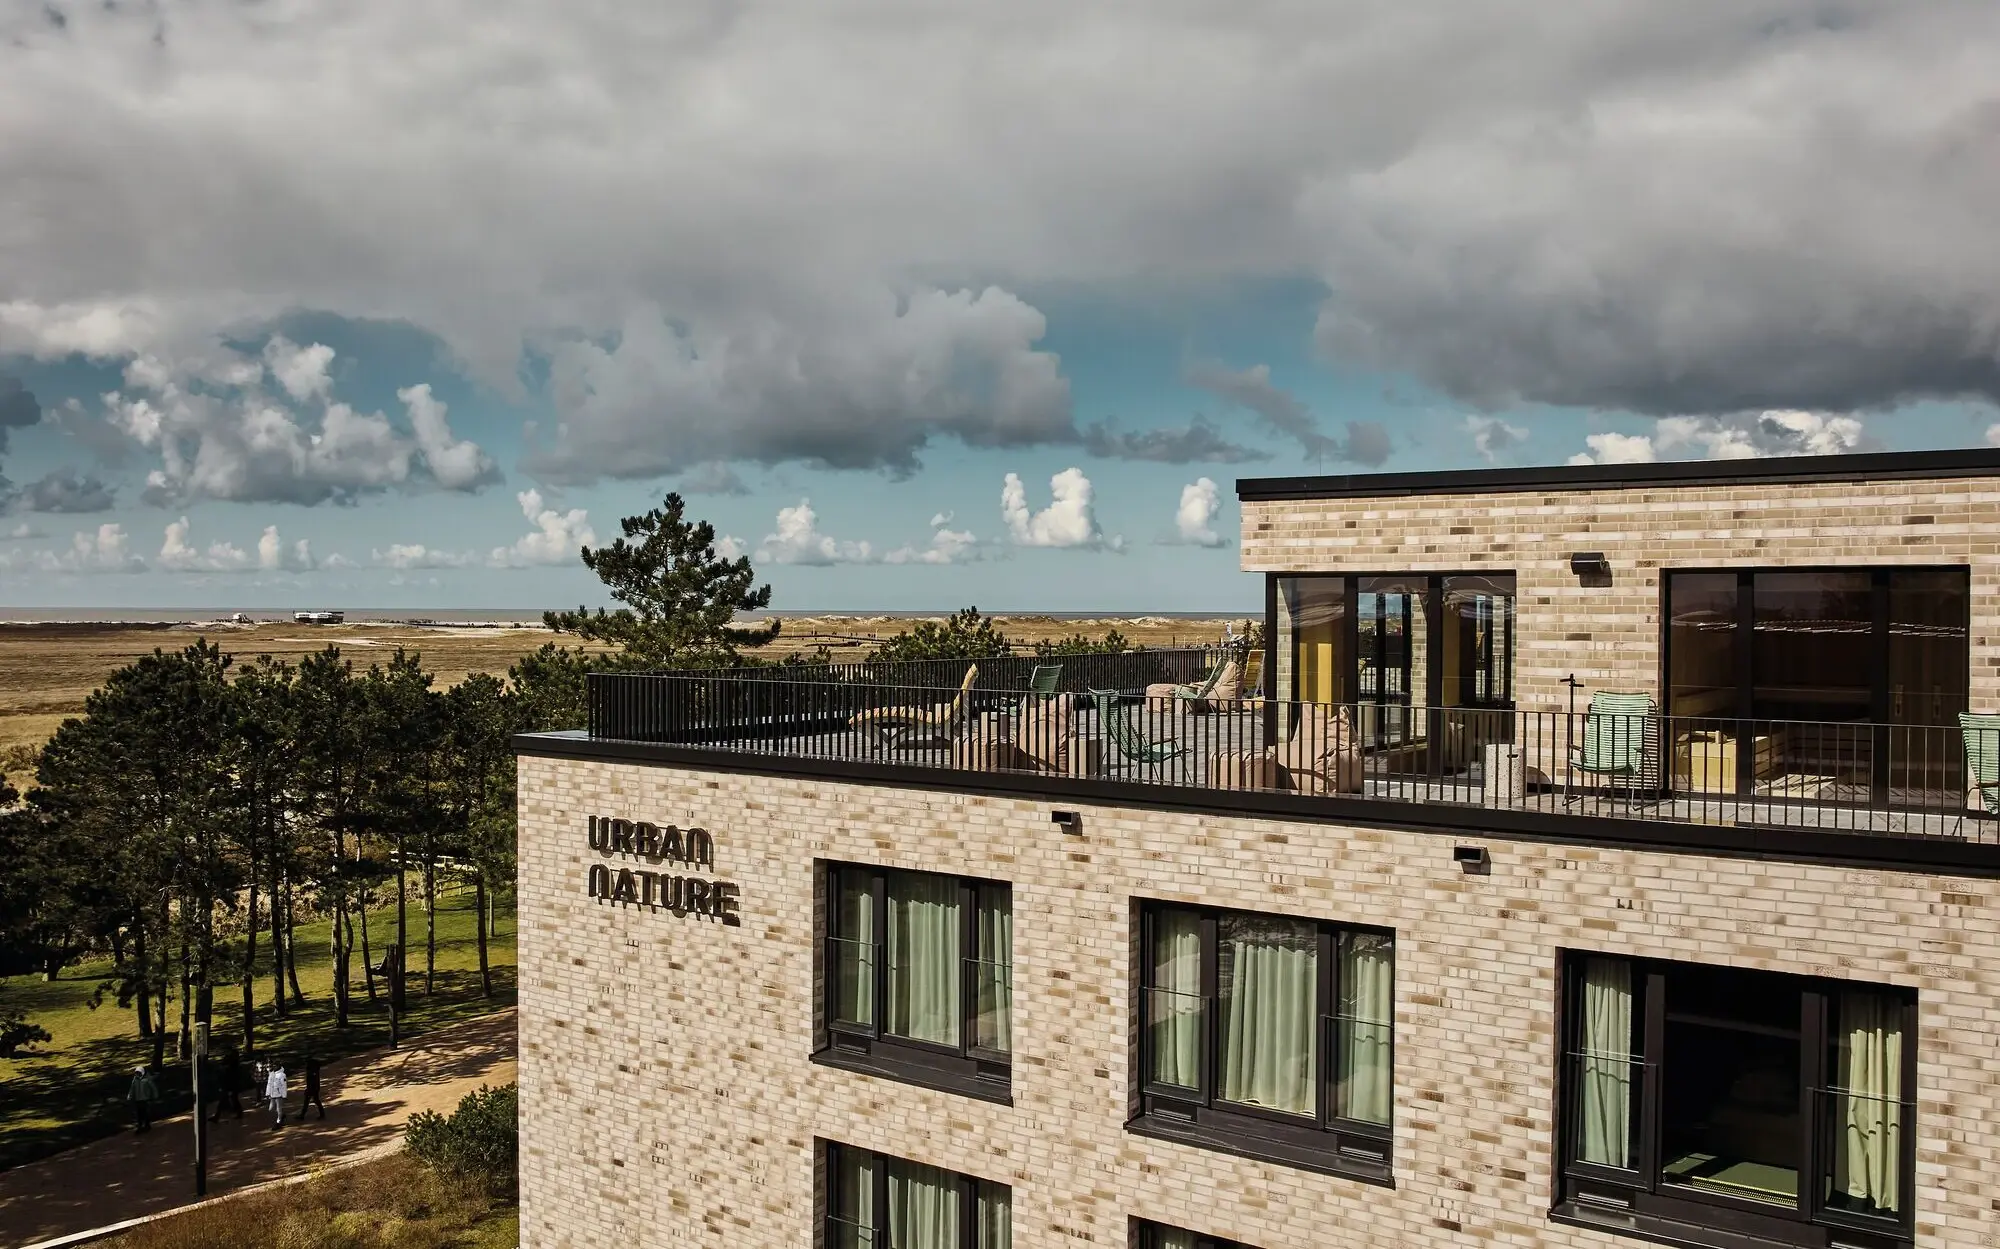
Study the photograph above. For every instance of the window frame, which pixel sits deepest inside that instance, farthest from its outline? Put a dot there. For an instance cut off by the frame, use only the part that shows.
(1151, 1234)
(1327, 1142)
(969, 1188)
(966, 1068)
(1639, 1200)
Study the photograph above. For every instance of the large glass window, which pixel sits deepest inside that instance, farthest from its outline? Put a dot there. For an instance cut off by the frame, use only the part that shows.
(1710, 1095)
(1832, 683)
(1161, 1236)
(875, 1201)
(1265, 1028)
(919, 976)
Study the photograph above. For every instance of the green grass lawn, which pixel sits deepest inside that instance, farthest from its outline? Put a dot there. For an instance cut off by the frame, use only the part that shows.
(74, 1090)
(390, 1203)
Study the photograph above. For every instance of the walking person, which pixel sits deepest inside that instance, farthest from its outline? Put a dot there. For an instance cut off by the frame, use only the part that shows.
(228, 1086)
(275, 1093)
(312, 1097)
(143, 1093)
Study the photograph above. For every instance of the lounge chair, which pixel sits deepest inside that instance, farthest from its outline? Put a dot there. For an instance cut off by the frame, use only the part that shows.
(1127, 740)
(1321, 756)
(1223, 685)
(1982, 761)
(904, 728)
(1621, 741)
(1044, 731)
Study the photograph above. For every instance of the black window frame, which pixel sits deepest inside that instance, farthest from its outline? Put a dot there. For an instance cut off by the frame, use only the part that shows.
(1637, 1200)
(1150, 1234)
(1881, 585)
(967, 1068)
(1327, 1144)
(969, 1188)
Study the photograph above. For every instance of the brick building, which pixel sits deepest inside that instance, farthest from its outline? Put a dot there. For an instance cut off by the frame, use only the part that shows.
(1597, 856)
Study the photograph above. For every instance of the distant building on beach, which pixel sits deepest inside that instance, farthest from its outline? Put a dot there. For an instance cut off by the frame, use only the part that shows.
(319, 617)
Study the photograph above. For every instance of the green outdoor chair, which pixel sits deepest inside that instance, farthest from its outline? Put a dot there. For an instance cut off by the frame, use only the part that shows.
(1621, 736)
(1982, 761)
(1043, 683)
(1126, 739)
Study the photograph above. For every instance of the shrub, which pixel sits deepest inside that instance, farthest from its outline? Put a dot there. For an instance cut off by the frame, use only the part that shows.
(967, 635)
(478, 1144)
(16, 1034)
(1112, 643)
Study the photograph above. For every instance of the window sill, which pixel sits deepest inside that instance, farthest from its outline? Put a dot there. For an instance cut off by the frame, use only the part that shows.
(922, 1070)
(1684, 1235)
(1324, 1159)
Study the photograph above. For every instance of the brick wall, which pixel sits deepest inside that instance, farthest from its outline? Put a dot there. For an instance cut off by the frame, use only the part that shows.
(1609, 636)
(667, 1096)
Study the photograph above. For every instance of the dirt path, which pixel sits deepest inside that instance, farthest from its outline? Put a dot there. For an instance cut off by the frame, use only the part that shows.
(368, 1099)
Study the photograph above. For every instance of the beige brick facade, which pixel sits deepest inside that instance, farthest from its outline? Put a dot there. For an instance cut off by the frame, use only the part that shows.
(667, 1093)
(1609, 636)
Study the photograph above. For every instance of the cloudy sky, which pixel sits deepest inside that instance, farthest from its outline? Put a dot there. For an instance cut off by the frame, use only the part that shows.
(378, 303)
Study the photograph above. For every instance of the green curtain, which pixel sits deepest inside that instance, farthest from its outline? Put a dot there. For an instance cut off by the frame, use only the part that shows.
(854, 949)
(855, 1227)
(923, 1207)
(994, 975)
(1366, 1027)
(924, 950)
(1606, 1064)
(1868, 1102)
(996, 1216)
(1269, 982)
(1174, 1008)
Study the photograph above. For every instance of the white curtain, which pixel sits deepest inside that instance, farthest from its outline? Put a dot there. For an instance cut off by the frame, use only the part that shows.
(855, 1228)
(1175, 1008)
(923, 1207)
(854, 963)
(1606, 1065)
(1867, 1102)
(1269, 982)
(924, 952)
(995, 973)
(1366, 1083)
(996, 1216)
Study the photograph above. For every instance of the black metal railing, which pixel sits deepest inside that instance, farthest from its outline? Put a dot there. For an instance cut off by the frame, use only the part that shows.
(1888, 779)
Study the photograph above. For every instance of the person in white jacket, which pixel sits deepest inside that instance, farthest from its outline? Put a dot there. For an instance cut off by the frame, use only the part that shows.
(275, 1093)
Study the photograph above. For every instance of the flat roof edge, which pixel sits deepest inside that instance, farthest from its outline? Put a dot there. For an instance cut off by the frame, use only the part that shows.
(1953, 463)
(1767, 843)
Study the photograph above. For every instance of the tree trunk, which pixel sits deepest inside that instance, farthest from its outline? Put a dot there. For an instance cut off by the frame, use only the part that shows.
(184, 1043)
(402, 923)
(52, 965)
(367, 953)
(118, 945)
(479, 929)
(143, 1000)
(250, 966)
(292, 948)
(430, 919)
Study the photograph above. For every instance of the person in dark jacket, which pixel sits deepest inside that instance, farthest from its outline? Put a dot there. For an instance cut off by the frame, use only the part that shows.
(228, 1077)
(143, 1093)
(312, 1097)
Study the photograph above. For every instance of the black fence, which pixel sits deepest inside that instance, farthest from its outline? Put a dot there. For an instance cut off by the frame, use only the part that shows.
(1898, 780)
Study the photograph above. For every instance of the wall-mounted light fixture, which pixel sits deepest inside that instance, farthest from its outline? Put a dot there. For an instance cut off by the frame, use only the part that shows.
(1069, 821)
(1473, 859)
(1589, 564)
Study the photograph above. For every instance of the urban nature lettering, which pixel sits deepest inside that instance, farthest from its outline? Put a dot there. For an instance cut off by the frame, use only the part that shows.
(681, 895)
(643, 840)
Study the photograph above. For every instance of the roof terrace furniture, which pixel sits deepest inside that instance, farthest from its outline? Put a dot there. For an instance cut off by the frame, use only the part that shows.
(902, 728)
(1130, 743)
(1044, 731)
(1042, 684)
(1621, 740)
(1982, 761)
(1223, 685)
(1322, 755)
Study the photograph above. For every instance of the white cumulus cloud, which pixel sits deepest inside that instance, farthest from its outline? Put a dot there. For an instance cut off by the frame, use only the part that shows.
(274, 556)
(410, 555)
(947, 546)
(1194, 521)
(455, 463)
(799, 541)
(1068, 521)
(1492, 436)
(1744, 437)
(557, 538)
(179, 554)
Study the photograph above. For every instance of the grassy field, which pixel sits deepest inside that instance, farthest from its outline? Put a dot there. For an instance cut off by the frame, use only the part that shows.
(75, 1090)
(391, 1203)
(46, 670)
